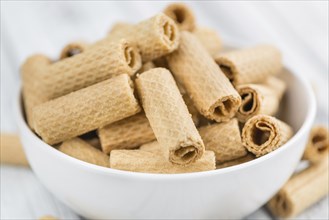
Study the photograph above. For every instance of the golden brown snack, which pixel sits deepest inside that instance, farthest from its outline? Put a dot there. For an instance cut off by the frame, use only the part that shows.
(244, 159)
(81, 150)
(260, 98)
(12, 151)
(317, 147)
(155, 37)
(147, 66)
(85, 110)
(182, 15)
(209, 39)
(224, 140)
(212, 93)
(262, 134)
(250, 65)
(169, 117)
(301, 191)
(73, 49)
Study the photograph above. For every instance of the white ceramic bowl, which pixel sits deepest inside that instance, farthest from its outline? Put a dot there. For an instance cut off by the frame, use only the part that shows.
(102, 193)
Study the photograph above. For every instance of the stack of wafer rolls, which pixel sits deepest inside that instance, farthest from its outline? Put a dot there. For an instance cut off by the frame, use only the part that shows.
(169, 117)
(73, 49)
(151, 158)
(85, 110)
(262, 134)
(251, 65)
(212, 93)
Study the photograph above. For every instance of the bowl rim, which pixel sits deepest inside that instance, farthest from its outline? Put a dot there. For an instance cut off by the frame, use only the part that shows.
(310, 115)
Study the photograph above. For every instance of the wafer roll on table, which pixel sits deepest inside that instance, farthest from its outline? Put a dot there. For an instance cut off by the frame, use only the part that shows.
(85, 110)
(212, 93)
(73, 49)
(11, 150)
(155, 37)
(251, 65)
(182, 15)
(152, 159)
(169, 117)
(262, 134)
(244, 159)
(126, 134)
(209, 39)
(301, 191)
(317, 147)
(81, 150)
(224, 140)
(260, 98)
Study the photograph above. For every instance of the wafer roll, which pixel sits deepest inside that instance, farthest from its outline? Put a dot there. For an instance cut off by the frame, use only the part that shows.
(12, 151)
(251, 65)
(81, 150)
(301, 191)
(155, 37)
(260, 99)
(262, 134)
(154, 161)
(244, 159)
(126, 134)
(209, 39)
(182, 15)
(211, 92)
(85, 110)
(147, 66)
(153, 146)
(73, 49)
(168, 116)
(317, 147)
(224, 140)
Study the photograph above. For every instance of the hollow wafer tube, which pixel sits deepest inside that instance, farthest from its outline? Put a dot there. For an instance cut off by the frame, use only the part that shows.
(212, 93)
(317, 147)
(126, 134)
(260, 98)
(224, 140)
(209, 39)
(301, 191)
(169, 117)
(73, 49)
(85, 110)
(11, 150)
(154, 161)
(81, 150)
(155, 37)
(262, 134)
(244, 159)
(182, 15)
(251, 65)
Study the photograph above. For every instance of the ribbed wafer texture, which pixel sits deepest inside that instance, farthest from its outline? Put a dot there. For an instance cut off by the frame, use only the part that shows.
(260, 98)
(31, 71)
(153, 161)
(262, 134)
(182, 15)
(209, 39)
(85, 110)
(244, 159)
(11, 150)
(126, 134)
(224, 140)
(301, 191)
(73, 49)
(211, 92)
(153, 147)
(317, 147)
(81, 150)
(168, 116)
(155, 37)
(251, 65)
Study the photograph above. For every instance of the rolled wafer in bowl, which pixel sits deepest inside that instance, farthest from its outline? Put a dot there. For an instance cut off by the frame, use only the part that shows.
(224, 140)
(209, 38)
(250, 65)
(182, 15)
(317, 147)
(169, 117)
(155, 37)
(73, 49)
(263, 134)
(85, 110)
(212, 93)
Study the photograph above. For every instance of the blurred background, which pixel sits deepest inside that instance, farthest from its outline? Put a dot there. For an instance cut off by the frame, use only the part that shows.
(298, 28)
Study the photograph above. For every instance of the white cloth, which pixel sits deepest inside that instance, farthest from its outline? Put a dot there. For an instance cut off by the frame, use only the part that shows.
(299, 29)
